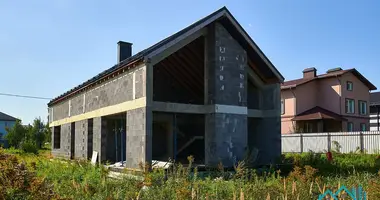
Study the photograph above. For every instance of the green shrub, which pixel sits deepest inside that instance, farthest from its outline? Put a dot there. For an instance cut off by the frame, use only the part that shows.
(29, 147)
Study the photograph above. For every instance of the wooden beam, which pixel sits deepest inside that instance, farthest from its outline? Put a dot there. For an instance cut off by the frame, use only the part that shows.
(256, 70)
(256, 80)
(177, 78)
(196, 66)
(191, 71)
(183, 71)
(175, 45)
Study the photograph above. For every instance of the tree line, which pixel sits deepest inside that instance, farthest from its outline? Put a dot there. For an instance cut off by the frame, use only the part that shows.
(29, 137)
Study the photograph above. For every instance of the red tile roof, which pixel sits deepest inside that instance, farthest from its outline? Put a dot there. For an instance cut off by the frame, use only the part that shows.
(296, 82)
(318, 113)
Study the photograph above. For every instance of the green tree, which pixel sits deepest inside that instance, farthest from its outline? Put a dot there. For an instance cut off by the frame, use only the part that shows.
(47, 133)
(36, 133)
(16, 134)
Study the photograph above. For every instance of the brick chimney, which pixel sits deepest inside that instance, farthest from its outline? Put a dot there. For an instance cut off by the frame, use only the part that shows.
(124, 50)
(309, 73)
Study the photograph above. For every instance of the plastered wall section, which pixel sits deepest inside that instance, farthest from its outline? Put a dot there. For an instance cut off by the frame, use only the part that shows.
(360, 92)
(329, 94)
(306, 95)
(289, 110)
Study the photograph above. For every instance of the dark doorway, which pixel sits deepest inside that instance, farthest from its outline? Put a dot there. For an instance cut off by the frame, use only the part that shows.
(90, 138)
(177, 136)
(116, 138)
(72, 146)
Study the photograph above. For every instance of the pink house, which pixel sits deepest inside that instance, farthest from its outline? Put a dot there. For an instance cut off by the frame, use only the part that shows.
(331, 102)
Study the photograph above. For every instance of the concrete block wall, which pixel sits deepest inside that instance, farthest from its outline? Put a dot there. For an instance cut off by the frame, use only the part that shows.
(125, 87)
(65, 148)
(265, 133)
(99, 137)
(115, 91)
(226, 133)
(226, 68)
(226, 138)
(81, 130)
(139, 137)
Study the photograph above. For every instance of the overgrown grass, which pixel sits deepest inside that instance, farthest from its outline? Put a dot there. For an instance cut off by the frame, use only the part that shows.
(56, 179)
(342, 164)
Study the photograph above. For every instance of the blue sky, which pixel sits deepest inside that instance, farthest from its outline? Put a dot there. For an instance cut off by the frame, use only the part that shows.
(50, 46)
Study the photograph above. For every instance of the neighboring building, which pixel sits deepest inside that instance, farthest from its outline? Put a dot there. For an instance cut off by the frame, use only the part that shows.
(331, 102)
(206, 91)
(375, 111)
(6, 121)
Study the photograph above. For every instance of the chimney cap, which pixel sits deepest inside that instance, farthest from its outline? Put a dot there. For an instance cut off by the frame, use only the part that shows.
(334, 69)
(310, 69)
(123, 42)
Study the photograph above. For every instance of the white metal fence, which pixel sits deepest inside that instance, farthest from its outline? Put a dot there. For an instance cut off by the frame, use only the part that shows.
(368, 142)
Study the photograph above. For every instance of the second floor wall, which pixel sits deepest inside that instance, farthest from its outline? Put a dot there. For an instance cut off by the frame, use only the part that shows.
(329, 93)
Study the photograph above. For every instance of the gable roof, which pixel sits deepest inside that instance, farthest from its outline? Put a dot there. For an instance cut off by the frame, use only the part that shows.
(374, 98)
(297, 82)
(223, 15)
(5, 117)
(318, 113)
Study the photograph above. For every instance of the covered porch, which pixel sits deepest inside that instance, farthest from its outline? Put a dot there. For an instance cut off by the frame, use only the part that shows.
(318, 120)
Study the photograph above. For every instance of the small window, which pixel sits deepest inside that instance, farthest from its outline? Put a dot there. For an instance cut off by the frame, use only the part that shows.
(350, 106)
(363, 127)
(350, 126)
(282, 106)
(350, 86)
(57, 137)
(362, 107)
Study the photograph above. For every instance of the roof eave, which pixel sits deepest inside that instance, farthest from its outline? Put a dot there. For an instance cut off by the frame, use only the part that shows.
(363, 79)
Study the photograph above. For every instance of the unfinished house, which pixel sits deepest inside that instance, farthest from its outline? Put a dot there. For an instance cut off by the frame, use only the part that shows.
(206, 91)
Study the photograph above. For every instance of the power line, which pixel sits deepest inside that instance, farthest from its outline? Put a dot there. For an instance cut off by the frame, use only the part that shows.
(24, 96)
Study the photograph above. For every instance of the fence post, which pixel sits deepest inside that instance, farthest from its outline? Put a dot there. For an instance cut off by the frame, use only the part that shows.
(328, 142)
(361, 142)
(301, 142)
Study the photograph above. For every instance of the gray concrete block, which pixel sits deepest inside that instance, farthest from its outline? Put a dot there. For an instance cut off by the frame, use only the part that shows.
(138, 147)
(99, 137)
(140, 83)
(61, 110)
(81, 133)
(226, 134)
(226, 68)
(77, 105)
(267, 139)
(226, 139)
(114, 91)
(65, 147)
